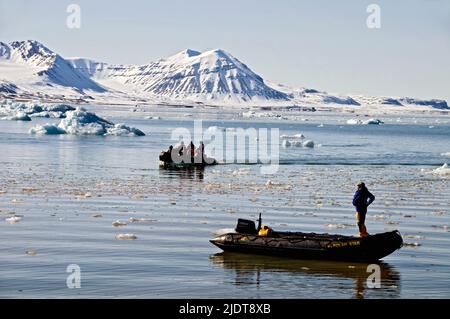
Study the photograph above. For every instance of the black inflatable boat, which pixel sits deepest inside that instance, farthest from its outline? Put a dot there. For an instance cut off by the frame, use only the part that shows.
(309, 245)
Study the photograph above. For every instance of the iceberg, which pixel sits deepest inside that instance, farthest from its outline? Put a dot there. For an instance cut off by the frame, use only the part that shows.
(354, 122)
(444, 170)
(19, 116)
(295, 136)
(29, 110)
(46, 129)
(82, 122)
(367, 122)
(373, 122)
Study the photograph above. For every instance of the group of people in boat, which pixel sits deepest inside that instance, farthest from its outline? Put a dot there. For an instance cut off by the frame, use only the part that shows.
(185, 154)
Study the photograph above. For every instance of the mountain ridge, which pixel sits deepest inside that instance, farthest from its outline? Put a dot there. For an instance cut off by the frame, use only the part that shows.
(213, 77)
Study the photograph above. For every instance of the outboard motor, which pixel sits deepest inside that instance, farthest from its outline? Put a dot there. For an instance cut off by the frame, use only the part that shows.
(245, 226)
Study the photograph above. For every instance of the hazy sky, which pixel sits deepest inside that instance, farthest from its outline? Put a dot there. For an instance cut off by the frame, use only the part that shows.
(320, 44)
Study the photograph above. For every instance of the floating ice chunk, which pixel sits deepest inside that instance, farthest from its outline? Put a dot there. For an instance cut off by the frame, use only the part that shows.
(295, 136)
(153, 118)
(213, 129)
(286, 143)
(308, 143)
(271, 183)
(46, 129)
(19, 116)
(13, 219)
(444, 170)
(241, 171)
(61, 108)
(445, 154)
(373, 122)
(126, 236)
(81, 122)
(31, 252)
(123, 130)
(367, 122)
(119, 223)
(354, 122)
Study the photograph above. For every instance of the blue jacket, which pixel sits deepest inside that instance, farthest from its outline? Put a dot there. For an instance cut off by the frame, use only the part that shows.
(362, 199)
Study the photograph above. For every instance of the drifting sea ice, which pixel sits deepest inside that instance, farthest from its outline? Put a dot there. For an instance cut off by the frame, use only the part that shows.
(126, 237)
(19, 116)
(367, 122)
(25, 111)
(444, 170)
(306, 144)
(445, 154)
(50, 129)
(81, 122)
(295, 136)
(13, 219)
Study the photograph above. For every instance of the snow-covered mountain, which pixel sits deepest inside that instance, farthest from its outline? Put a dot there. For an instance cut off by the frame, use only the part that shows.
(209, 76)
(32, 64)
(28, 69)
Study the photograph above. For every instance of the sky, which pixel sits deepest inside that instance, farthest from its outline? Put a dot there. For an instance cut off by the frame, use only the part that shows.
(315, 43)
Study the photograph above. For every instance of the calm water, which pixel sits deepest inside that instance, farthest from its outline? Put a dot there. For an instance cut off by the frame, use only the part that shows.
(69, 190)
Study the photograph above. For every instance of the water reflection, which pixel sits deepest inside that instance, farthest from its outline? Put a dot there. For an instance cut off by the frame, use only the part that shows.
(252, 269)
(195, 173)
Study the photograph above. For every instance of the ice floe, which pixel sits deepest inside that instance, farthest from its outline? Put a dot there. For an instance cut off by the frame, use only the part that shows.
(119, 223)
(292, 137)
(13, 219)
(366, 122)
(296, 140)
(49, 129)
(82, 122)
(19, 116)
(444, 170)
(126, 236)
(19, 111)
(445, 154)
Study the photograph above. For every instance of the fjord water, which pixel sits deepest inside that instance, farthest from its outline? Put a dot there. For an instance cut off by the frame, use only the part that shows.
(70, 189)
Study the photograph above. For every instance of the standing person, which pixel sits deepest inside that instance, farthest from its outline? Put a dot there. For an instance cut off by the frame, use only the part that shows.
(361, 200)
(191, 151)
(201, 151)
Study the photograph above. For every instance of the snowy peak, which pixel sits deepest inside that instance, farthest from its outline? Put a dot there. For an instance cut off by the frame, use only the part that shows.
(207, 76)
(32, 52)
(46, 67)
(187, 53)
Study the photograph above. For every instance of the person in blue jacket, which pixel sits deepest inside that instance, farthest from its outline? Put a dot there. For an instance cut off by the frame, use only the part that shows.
(362, 199)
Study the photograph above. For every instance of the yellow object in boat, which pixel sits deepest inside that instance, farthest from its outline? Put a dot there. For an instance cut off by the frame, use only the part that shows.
(265, 231)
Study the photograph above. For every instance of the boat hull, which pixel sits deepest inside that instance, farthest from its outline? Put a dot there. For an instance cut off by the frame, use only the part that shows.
(174, 165)
(313, 246)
